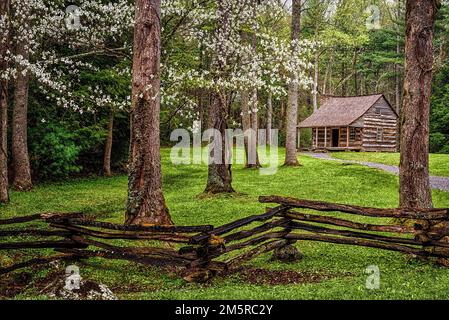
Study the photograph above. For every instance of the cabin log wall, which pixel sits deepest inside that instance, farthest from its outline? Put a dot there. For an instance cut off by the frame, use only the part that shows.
(387, 121)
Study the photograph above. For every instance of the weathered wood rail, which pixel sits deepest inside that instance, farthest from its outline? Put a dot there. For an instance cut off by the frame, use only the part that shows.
(204, 250)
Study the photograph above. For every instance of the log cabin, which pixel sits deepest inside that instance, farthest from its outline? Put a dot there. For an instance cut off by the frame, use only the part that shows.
(361, 123)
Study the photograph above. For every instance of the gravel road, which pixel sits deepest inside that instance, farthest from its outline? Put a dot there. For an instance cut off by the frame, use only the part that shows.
(439, 183)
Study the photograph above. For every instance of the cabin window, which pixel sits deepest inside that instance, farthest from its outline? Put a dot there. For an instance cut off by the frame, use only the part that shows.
(378, 111)
(380, 135)
(352, 134)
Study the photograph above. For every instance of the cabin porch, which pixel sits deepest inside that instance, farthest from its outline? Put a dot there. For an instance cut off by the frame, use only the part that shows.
(337, 138)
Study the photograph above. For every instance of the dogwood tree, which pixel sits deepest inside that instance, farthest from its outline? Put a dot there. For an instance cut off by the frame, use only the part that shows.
(236, 65)
(39, 30)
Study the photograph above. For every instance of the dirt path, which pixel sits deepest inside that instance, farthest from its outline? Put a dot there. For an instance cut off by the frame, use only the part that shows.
(439, 183)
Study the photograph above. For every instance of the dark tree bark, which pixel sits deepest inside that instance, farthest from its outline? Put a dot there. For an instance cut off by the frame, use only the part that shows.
(344, 87)
(397, 69)
(255, 163)
(146, 203)
(108, 146)
(269, 116)
(398, 89)
(254, 116)
(292, 107)
(246, 122)
(4, 45)
(415, 189)
(246, 115)
(219, 177)
(20, 158)
(316, 74)
(354, 70)
(249, 120)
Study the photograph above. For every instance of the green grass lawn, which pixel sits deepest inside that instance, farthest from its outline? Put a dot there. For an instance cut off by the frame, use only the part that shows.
(439, 163)
(104, 198)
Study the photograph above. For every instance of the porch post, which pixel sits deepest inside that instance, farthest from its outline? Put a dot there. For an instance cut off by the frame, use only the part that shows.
(347, 137)
(325, 137)
(316, 137)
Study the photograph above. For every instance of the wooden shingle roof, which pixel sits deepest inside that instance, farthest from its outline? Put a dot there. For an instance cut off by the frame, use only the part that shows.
(340, 111)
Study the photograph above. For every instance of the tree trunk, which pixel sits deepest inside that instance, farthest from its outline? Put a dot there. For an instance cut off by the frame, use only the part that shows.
(20, 157)
(246, 122)
(108, 146)
(219, 177)
(398, 95)
(354, 69)
(398, 91)
(315, 82)
(146, 203)
(415, 189)
(344, 88)
(292, 107)
(4, 45)
(255, 163)
(269, 117)
(282, 116)
(316, 75)
(249, 121)
(246, 114)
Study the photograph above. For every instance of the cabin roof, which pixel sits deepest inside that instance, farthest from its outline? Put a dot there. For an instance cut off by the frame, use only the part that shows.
(340, 111)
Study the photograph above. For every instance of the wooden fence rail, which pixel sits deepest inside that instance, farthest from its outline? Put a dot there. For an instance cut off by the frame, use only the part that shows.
(204, 250)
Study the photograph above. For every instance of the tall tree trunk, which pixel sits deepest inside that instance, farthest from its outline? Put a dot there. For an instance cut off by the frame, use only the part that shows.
(282, 116)
(354, 70)
(201, 95)
(344, 87)
(108, 146)
(415, 189)
(398, 90)
(326, 75)
(292, 107)
(316, 75)
(315, 82)
(146, 203)
(330, 89)
(269, 117)
(254, 112)
(4, 46)
(219, 177)
(255, 128)
(20, 157)
(246, 122)
(398, 95)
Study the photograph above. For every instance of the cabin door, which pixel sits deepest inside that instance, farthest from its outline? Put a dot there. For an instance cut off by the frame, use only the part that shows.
(335, 137)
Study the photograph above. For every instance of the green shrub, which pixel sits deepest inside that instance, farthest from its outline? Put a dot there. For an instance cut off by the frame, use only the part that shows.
(439, 143)
(54, 152)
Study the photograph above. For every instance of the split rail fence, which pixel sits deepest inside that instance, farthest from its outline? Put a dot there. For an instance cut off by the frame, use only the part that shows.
(205, 251)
